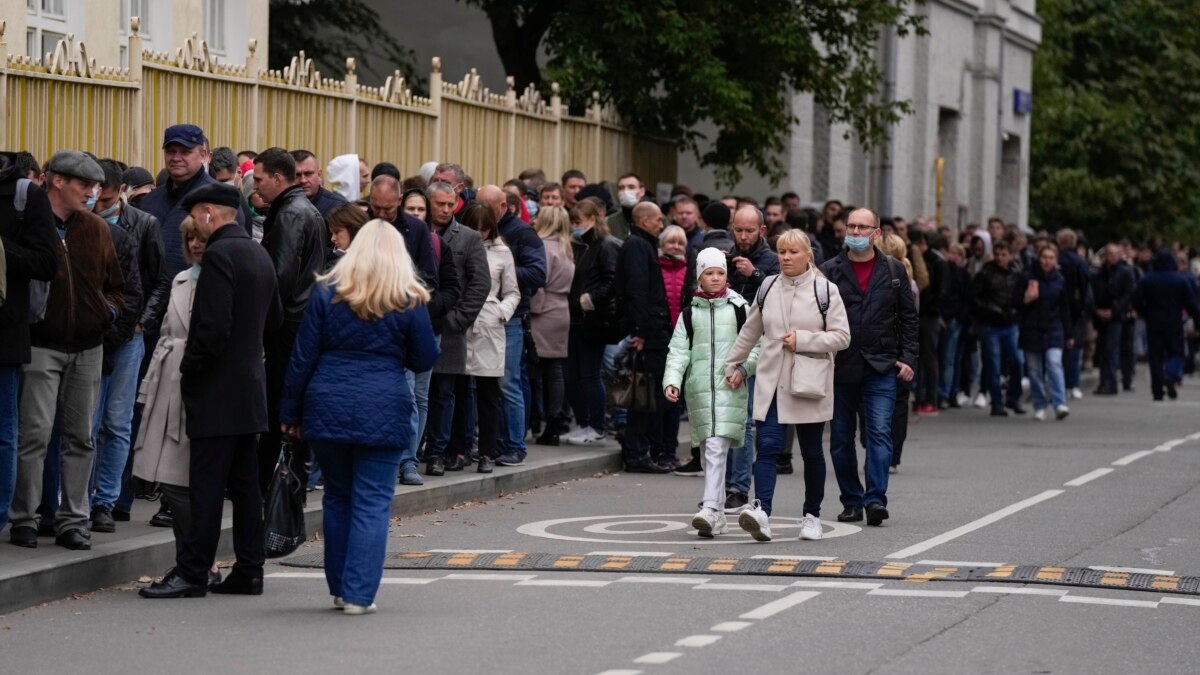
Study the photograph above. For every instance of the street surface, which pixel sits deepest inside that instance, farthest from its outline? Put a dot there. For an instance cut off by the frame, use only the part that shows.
(1113, 486)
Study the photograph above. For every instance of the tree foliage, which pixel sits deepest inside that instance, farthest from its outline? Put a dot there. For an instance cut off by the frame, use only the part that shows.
(330, 31)
(1116, 134)
(668, 65)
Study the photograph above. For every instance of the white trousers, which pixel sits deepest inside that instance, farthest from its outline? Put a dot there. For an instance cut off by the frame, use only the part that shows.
(716, 451)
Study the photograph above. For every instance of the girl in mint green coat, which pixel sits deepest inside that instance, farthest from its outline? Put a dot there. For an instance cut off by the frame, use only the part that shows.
(704, 336)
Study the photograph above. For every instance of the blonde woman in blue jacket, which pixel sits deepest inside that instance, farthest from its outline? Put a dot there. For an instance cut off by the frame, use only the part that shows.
(704, 335)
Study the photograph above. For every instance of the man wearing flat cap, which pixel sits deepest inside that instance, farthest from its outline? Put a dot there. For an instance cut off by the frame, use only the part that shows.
(223, 383)
(63, 375)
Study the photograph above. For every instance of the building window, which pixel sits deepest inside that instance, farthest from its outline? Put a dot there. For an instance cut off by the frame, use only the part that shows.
(138, 8)
(214, 25)
(31, 44)
(31, 5)
(54, 7)
(50, 42)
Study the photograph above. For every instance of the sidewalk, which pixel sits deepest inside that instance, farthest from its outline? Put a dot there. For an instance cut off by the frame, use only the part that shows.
(31, 576)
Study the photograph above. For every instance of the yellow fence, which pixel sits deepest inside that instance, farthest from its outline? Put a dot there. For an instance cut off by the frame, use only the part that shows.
(66, 101)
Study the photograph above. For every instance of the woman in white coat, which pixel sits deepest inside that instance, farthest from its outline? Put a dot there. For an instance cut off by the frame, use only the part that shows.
(800, 318)
(486, 338)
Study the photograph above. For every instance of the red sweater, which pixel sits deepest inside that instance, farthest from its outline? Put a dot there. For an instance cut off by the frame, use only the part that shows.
(674, 275)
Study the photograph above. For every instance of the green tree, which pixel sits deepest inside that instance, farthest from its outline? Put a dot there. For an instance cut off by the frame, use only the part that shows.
(330, 31)
(1115, 129)
(668, 65)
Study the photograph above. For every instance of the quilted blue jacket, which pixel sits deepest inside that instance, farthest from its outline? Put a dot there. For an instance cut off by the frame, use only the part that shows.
(345, 382)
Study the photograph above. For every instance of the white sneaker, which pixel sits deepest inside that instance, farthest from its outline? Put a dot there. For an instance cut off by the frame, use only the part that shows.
(588, 436)
(338, 602)
(709, 523)
(980, 400)
(1061, 412)
(352, 609)
(810, 528)
(573, 434)
(1040, 415)
(1077, 393)
(963, 400)
(754, 520)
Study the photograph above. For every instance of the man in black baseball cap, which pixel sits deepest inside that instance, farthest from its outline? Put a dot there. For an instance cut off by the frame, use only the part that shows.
(138, 183)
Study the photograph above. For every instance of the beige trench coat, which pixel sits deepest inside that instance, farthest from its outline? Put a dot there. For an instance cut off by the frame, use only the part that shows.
(162, 451)
(486, 337)
(549, 314)
(790, 306)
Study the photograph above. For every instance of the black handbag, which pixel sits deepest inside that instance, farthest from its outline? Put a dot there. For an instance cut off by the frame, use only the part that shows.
(283, 525)
(633, 386)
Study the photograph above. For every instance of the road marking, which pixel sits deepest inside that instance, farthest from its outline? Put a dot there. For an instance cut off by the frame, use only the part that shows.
(735, 626)
(1019, 591)
(490, 577)
(1133, 570)
(1194, 437)
(580, 583)
(596, 525)
(956, 563)
(1133, 457)
(975, 525)
(470, 550)
(1165, 601)
(902, 593)
(793, 557)
(1117, 602)
(687, 581)
(406, 581)
(855, 585)
(776, 606)
(1088, 477)
(634, 554)
(741, 587)
(622, 672)
(697, 641)
(296, 575)
(658, 657)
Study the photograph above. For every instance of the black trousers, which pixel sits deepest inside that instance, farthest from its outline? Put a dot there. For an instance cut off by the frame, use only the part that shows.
(1128, 360)
(278, 350)
(488, 410)
(216, 464)
(928, 361)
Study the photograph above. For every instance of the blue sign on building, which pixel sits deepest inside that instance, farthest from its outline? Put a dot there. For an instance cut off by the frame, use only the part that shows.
(1022, 102)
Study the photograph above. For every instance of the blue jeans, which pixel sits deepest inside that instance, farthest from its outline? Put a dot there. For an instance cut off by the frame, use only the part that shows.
(875, 399)
(1046, 368)
(999, 343)
(1072, 366)
(585, 388)
(113, 421)
(360, 482)
(512, 390)
(770, 447)
(951, 359)
(10, 386)
(741, 458)
(609, 368)
(418, 385)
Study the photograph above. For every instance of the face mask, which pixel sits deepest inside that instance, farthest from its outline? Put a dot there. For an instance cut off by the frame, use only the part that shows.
(577, 232)
(110, 214)
(532, 206)
(628, 198)
(858, 243)
(91, 202)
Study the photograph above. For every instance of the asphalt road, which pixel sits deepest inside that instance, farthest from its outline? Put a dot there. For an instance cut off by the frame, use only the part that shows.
(972, 490)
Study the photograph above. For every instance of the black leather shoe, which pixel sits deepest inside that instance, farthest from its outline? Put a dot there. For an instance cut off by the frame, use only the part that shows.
(999, 412)
(876, 514)
(1172, 393)
(647, 466)
(102, 519)
(1105, 390)
(785, 466)
(851, 514)
(120, 516)
(173, 586)
(24, 536)
(435, 467)
(238, 584)
(455, 464)
(549, 437)
(46, 528)
(1017, 409)
(163, 518)
(486, 465)
(74, 540)
(214, 578)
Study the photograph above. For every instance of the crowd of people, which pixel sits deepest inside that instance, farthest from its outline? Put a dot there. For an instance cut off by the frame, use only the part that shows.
(177, 336)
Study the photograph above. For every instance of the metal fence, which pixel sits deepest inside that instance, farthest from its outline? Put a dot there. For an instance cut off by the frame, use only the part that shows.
(66, 101)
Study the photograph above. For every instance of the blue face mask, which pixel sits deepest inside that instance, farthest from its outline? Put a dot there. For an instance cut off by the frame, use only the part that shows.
(577, 232)
(91, 202)
(532, 206)
(858, 243)
(110, 214)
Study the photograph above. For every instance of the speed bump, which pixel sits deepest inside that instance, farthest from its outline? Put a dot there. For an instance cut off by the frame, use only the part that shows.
(779, 567)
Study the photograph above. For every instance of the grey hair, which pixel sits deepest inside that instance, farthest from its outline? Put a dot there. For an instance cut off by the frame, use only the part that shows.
(438, 186)
(459, 175)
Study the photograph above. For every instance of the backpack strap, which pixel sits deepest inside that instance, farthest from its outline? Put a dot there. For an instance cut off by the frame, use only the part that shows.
(740, 312)
(822, 302)
(764, 289)
(685, 315)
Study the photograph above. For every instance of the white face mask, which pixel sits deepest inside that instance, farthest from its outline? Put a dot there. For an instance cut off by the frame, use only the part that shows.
(628, 198)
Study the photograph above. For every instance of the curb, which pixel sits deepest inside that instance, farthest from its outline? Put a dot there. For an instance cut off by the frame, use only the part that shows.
(54, 577)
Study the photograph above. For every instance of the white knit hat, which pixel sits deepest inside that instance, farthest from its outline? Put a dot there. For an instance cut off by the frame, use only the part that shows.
(709, 257)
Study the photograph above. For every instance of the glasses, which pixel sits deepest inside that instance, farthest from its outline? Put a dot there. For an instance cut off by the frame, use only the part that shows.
(855, 227)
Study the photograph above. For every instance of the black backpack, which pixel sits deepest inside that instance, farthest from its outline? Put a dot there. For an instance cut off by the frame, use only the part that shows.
(39, 291)
(822, 303)
(686, 317)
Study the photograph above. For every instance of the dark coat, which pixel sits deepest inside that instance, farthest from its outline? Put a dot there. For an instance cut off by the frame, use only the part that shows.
(448, 291)
(595, 274)
(223, 378)
(164, 204)
(88, 293)
(1078, 276)
(341, 384)
(1113, 288)
(993, 291)
(327, 201)
(30, 251)
(641, 294)
(529, 254)
(1046, 322)
(294, 237)
(931, 296)
(146, 236)
(1161, 298)
(765, 264)
(465, 248)
(956, 300)
(883, 321)
(121, 331)
(419, 242)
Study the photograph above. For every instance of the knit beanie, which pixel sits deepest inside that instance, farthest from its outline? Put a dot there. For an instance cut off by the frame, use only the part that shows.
(709, 257)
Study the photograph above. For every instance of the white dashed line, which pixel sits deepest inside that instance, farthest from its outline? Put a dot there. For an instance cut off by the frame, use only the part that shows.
(406, 581)
(622, 672)
(1133, 457)
(686, 581)
(489, 577)
(853, 585)
(1133, 570)
(577, 583)
(772, 588)
(776, 606)
(1116, 602)
(658, 657)
(731, 626)
(697, 641)
(902, 593)
(1004, 590)
(956, 563)
(1088, 477)
(975, 525)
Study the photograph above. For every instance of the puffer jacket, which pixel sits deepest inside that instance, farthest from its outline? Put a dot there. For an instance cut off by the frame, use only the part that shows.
(992, 292)
(294, 236)
(146, 236)
(486, 339)
(675, 281)
(341, 382)
(714, 410)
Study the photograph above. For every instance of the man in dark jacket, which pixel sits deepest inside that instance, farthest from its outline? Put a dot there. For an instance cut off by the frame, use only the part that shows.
(124, 344)
(294, 237)
(993, 292)
(224, 388)
(31, 254)
(63, 375)
(1079, 293)
(449, 388)
(956, 313)
(1112, 288)
(929, 340)
(752, 260)
(883, 349)
(642, 303)
(384, 199)
(310, 179)
(1161, 298)
(630, 191)
(530, 256)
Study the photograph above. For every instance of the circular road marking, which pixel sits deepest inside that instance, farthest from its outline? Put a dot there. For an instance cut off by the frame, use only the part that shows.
(620, 528)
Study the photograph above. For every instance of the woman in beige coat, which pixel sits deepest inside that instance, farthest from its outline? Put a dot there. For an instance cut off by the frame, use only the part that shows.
(486, 338)
(162, 451)
(550, 319)
(796, 312)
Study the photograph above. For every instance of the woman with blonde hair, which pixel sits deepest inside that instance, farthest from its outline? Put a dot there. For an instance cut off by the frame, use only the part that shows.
(550, 319)
(365, 325)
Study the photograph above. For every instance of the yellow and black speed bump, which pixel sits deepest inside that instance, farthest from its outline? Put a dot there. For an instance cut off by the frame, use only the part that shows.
(727, 565)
